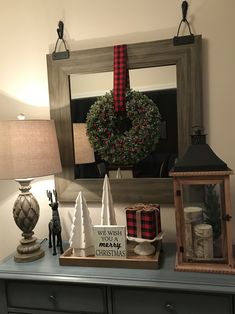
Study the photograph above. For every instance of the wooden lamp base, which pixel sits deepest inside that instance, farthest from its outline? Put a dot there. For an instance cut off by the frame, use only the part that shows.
(26, 214)
(28, 251)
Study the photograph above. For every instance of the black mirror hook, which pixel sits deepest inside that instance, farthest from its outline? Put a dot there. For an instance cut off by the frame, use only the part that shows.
(184, 7)
(60, 30)
(183, 40)
(60, 54)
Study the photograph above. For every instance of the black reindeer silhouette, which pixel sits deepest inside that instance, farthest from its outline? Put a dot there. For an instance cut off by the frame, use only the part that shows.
(54, 224)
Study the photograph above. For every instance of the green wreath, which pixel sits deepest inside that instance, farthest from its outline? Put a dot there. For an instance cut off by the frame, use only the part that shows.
(110, 141)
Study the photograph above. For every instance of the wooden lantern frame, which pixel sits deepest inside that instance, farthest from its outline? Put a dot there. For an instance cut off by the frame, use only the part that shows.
(203, 178)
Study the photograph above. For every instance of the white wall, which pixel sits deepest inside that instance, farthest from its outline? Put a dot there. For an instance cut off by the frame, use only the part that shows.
(29, 33)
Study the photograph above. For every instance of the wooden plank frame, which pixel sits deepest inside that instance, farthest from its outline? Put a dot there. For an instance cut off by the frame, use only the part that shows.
(187, 59)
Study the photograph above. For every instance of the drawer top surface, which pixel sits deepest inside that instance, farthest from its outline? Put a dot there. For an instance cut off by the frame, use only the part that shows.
(48, 269)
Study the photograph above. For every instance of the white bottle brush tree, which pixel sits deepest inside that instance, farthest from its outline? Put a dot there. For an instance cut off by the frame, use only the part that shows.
(81, 235)
(107, 210)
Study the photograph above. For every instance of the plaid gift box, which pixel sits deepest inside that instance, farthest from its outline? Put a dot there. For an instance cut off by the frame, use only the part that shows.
(143, 221)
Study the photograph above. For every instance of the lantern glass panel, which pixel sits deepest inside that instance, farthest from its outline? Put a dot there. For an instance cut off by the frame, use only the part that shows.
(203, 231)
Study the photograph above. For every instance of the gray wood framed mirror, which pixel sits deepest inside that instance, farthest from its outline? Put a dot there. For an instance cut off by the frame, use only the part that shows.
(186, 58)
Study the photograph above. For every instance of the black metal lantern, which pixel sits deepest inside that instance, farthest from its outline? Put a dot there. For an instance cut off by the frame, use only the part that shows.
(203, 210)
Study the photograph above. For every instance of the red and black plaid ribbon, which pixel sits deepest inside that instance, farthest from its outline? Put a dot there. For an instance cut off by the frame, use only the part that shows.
(120, 77)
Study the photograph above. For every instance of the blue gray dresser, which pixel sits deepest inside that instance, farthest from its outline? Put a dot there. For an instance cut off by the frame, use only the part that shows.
(44, 286)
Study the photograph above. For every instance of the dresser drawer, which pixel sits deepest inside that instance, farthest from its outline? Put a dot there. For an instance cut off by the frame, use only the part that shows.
(53, 296)
(139, 301)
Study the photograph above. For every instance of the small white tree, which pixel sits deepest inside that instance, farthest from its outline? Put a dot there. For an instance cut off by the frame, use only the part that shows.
(107, 210)
(81, 235)
(119, 174)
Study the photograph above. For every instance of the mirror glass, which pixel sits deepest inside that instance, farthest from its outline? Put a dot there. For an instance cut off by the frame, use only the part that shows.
(159, 84)
(146, 79)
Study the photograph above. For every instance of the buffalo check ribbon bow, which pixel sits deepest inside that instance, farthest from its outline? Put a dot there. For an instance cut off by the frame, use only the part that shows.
(120, 78)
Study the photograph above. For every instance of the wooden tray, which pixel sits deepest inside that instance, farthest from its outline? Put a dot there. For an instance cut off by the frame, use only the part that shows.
(132, 260)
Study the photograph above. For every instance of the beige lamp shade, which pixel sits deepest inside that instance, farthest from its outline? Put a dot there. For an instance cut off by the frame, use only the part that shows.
(83, 150)
(28, 149)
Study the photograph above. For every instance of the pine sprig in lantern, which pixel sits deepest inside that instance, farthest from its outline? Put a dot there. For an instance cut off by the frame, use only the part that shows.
(124, 147)
(213, 210)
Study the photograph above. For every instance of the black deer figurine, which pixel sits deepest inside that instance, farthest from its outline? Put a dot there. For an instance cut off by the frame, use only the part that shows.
(54, 224)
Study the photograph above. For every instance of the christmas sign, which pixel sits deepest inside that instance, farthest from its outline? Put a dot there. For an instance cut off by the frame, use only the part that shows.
(110, 241)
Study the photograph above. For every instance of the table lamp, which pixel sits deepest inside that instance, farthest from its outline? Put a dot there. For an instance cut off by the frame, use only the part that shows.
(28, 149)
